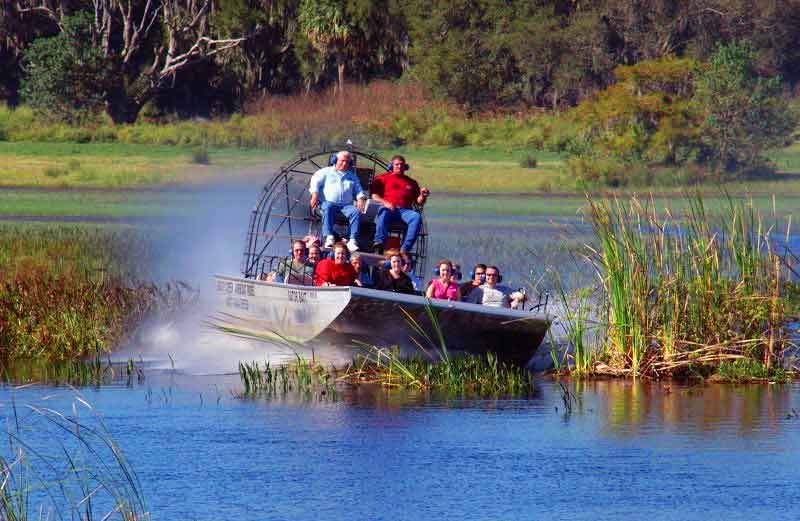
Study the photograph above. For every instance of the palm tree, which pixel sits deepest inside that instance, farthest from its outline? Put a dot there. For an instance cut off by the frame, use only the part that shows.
(329, 31)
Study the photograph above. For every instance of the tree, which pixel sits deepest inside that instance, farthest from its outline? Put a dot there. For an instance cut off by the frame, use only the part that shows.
(329, 30)
(745, 113)
(461, 50)
(144, 43)
(66, 78)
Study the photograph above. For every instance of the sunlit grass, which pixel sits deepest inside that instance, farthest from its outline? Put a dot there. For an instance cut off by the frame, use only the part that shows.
(116, 165)
(691, 294)
(95, 204)
(68, 291)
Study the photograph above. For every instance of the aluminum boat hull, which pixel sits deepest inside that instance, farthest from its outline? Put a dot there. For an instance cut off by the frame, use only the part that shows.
(344, 314)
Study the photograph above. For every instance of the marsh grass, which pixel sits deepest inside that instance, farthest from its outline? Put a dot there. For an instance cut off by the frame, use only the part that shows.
(688, 294)
(70, 292)
(436, 368)
(303, 377)
(94, 371)
(62, 467)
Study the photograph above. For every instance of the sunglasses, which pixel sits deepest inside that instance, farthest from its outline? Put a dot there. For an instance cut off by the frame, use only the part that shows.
(491, 274)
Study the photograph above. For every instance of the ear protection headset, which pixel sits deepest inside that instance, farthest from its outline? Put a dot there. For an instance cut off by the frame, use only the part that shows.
(305, 250)
(483, 276)
(406, 167)
(436, 273)
(388, 264)
(350, 164)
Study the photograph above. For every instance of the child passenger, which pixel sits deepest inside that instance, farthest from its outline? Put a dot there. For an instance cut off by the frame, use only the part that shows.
(443, 287)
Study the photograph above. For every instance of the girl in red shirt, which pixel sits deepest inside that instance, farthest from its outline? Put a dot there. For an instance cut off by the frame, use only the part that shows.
(336, 271)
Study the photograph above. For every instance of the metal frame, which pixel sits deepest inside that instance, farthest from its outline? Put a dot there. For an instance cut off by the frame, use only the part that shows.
(283, 214)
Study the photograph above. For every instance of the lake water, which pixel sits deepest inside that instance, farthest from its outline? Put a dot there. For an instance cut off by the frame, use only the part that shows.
(636, 450)
(628, 449)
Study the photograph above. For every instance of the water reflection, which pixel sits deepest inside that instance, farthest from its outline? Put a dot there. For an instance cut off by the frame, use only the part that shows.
(629, 408)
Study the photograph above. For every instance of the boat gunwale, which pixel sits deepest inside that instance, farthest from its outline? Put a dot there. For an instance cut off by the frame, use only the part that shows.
(401, 298)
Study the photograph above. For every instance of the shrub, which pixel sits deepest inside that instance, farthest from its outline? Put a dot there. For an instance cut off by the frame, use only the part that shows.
(529, 161)
(744, 113)
(200, 156)
(65, 77)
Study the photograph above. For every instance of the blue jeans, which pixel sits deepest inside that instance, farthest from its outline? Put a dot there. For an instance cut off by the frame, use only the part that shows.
(386, 217)
(329, 211)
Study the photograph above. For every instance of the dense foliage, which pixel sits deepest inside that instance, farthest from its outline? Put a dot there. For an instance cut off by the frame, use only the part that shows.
(66, 78)
(480, 53)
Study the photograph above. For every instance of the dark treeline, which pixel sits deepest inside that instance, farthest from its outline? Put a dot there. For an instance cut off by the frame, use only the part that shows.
(192, 57)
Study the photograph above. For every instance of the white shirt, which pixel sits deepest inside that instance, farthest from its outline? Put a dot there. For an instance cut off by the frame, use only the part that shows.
(336, 186)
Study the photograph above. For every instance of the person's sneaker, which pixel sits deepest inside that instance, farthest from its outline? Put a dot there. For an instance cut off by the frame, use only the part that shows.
(329, 241)
(377, 248)
(352, 245)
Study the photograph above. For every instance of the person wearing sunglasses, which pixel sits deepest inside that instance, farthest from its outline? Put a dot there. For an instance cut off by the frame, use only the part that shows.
(296, 269)
(333, 189)
(478, 278)
(493, 294)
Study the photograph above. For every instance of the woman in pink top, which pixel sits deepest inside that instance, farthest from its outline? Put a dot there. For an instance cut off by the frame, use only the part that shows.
(442, 287)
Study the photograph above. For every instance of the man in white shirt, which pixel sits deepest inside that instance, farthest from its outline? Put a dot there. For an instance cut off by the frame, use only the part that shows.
(492, 294)
(339, 186)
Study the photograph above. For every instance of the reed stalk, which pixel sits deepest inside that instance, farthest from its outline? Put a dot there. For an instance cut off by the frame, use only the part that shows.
(692, 291)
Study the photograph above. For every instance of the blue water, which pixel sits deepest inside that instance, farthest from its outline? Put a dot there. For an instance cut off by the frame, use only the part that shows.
(632, 450)
(638, 450)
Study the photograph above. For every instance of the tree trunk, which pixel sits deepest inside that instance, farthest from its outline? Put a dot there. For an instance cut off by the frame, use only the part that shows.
(340, 66)
(123, 108)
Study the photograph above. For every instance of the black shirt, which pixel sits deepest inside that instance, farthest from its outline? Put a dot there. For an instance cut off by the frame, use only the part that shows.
(386, 282)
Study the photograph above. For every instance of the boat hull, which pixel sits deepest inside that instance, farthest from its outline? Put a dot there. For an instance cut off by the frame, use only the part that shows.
(343, 315)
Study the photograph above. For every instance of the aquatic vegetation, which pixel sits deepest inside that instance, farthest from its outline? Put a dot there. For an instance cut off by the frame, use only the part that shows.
(435, 368)
(94, 371)
(304, 377)
(80, 473)
(463, 374)
(71, 291)
(692, 292)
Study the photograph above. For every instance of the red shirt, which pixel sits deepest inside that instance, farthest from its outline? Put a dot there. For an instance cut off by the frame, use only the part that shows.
(398, 189)
(340, 274)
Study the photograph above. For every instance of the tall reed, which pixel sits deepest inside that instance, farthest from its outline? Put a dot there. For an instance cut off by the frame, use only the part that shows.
(691, 291)
(71, 291)
(57, 466)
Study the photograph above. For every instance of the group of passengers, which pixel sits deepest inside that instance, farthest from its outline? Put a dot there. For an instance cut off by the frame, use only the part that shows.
(396, 274)
(336, 189)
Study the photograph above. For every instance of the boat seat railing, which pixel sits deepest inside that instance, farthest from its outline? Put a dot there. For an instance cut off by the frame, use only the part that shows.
(540, 306)
(280, 269)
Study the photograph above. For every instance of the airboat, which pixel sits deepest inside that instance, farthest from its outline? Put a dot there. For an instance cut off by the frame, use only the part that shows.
(347, 317)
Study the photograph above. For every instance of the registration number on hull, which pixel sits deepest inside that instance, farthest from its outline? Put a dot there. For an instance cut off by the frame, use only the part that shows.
(237, 288)
(301, 296)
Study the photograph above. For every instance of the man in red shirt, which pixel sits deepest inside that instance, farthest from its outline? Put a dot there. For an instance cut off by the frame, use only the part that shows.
(397, 193)
(335, 271)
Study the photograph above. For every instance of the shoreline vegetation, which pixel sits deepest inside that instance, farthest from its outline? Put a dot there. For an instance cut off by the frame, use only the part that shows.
(69, 292)
(689, 294)
(617, 140)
